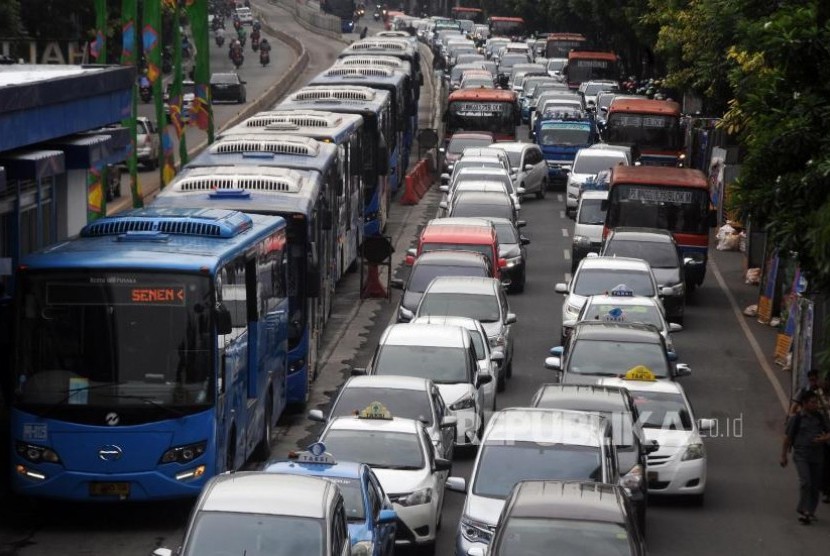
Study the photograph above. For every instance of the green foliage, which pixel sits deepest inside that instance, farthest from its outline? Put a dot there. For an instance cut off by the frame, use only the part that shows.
(10, 23)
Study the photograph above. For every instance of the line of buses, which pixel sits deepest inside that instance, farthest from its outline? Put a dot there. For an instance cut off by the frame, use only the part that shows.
(161, 346)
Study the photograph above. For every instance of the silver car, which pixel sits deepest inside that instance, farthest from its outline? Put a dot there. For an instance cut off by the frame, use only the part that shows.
(528, 166)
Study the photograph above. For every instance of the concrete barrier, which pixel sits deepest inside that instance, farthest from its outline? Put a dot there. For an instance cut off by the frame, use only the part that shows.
(312, 19)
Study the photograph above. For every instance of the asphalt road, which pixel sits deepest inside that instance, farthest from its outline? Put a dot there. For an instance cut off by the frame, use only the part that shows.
(750, 501)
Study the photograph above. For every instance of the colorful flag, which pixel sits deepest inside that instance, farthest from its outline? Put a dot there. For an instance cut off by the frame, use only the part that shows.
(94, 194)
(168, 169)
(201, 112)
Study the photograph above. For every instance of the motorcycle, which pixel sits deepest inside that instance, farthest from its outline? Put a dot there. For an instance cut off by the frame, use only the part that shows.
(376, 16)
(254, 44)
(220, 39)
(238, 59)
(264, 57)
(145, 93)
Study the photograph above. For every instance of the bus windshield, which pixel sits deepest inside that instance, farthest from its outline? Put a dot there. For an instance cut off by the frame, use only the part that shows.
(507, 28)
(497, 117)
(115, 339)
(591, 69)
(565, 134)
(646, 130)
(677, 209)
(559, 48)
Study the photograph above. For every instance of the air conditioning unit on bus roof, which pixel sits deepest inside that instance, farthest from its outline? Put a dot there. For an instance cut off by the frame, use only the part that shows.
(297, 118)
(386, 61)
(250, 178)
(392, 44)
(300, 146)
(194, 222)
(358, 71)
(331, 93)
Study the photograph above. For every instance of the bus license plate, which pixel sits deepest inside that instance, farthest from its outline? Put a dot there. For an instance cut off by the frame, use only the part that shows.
(109, 489)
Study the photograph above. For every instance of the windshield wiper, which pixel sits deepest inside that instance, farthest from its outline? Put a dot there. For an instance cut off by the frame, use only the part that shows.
(147, 400)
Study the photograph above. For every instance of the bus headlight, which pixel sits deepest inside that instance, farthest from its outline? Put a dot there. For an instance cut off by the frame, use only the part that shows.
(184, 454)
(36, 454)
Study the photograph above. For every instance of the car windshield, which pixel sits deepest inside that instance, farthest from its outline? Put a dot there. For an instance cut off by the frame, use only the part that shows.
(515, 157)
(254, 535)
(380, 449)
(591, 89)
(595, 164)
(461, 164)
(408, 404)
(613, 358)
(352, 497)
(556, 65)
(497, 470)
(662, 410)
(658, 255)
(441, 364)
(485, 175)
(485, 249)
(483, 210)
(591, 213)
(458, 144)
(645, 313)
(456, 304)
(422, 274)
(506, 233)
(478, 344)
(615, 412)
(224, 78)
(596, 281)
(527, 536)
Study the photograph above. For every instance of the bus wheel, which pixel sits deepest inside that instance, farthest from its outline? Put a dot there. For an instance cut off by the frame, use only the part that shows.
(263, 449)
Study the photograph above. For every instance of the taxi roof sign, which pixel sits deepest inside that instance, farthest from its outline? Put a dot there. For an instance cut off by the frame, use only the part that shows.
(621, 290)
(375, 410)
(315, 453)
(640, 372)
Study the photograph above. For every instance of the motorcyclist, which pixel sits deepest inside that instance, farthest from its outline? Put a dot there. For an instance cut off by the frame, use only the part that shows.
(264, 51)
(256, 25)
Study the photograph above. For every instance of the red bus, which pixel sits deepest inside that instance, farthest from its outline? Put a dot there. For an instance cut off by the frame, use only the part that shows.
(513, 27)
(586, 65)
(559, 45)
(653, 125)
(493, 110)
(475, 14)
(673, 199)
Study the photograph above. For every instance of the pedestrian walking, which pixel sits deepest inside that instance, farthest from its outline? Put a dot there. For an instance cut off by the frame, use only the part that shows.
(807, 435)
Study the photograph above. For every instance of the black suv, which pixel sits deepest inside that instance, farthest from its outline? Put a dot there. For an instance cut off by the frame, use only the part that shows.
(657, 248)
(616, 405)
(590, 518)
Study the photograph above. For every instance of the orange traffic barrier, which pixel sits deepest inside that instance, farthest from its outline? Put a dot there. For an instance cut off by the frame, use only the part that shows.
(410, 194)
(373, 288)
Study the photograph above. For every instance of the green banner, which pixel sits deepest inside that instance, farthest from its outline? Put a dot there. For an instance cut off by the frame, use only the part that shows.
(129, 55)
(201, 112)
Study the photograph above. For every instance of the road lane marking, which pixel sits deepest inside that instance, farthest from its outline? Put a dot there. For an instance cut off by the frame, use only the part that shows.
(567, 277)
(567, 254)
(561, 214)
(564, 232)
(753, 343)
(560, 198)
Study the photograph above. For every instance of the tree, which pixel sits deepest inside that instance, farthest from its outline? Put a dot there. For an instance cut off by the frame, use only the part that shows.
(780, 110)
(10, 24)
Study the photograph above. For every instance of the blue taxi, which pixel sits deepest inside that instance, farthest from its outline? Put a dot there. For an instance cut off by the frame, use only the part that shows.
(371, 519)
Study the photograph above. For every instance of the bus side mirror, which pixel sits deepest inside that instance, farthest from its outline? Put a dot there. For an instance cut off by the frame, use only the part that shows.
(224, 325)
(603, 206)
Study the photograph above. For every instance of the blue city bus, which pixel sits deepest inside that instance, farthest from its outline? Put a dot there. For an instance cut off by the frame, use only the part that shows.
(389, 46)
(346, 132)
(307, 204)
(150, 355)
(386, 80)
(375, 108)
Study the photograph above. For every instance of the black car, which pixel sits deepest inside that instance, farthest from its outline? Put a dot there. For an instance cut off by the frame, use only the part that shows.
(483, 204)
(432, 264)
(618, 407)
(657, 248)
(597, 349)
(512, 249)
(585, 518)
(227, 87)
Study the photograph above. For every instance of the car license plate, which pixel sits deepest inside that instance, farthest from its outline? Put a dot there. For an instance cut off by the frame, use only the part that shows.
(652, 476)
(109, 489)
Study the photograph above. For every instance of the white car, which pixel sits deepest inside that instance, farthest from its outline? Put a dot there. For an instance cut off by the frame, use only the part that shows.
(590, 89)
(444, 354)
(528, 166)
(530, 443)
(487, 174)
(589, 222)
(245, 15)
(600, 275)
(488, 359)
(587, 164)
(472, 162)
(678, 467)
(400, 453)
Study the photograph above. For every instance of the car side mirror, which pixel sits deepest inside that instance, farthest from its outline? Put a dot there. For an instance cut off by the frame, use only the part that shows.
(705, 424)
(674, 327)
(396, 283)
(483, 378)
(682, 369)
(358, 371)
(651, 447)
(456, 484)
(524, 241)
(665, 291)
(449, 421)
(317, 415)
(521, 223)
(442, 150)
(557, 351)
(405, 315)
(510, 318)
(444, 188)
(443, 205)
(521, 191)
(561, 287)
(387, 516)
(475, 551)
(496, 355)
(529, 167)
(162, 552)
(445, 176)
(553, 363)
(442, 464)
